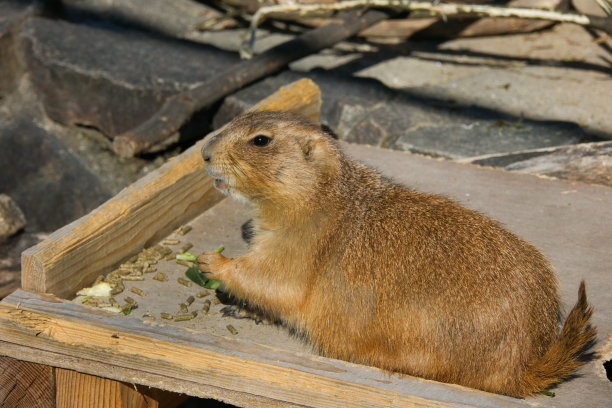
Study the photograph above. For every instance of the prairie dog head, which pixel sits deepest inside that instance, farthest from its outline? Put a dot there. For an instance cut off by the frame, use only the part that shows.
(269, 156)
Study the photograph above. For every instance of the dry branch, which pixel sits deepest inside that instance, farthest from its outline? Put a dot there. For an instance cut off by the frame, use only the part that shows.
(178, 109)
(443, 9)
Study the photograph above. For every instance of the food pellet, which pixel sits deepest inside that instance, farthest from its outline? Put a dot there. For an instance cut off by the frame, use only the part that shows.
(112, 275)
(137, 291)
(128, 267)
(184, 263)
(129, 300)
(183, 229)
(159, 276)
(186, 247)
(166, 316)
(184, 282)
(189, 300)
(216, 301)
(183, 317)
(170, 242)
(117, 289)
(202, 294)
(170, 256)
(206, 306)
(183, 308)
(133, 278)
(113, 302)
(163, 251)
(231, 329)
(149, 269)
(93, 301)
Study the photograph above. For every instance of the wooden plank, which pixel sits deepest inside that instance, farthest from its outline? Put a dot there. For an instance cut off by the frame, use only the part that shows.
(77, 390)
(131, 376)
(141, 214)
(47, 323)
(24, 384)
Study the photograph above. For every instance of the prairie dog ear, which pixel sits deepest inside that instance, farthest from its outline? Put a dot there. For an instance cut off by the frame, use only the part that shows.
(313, 147)
(316, 150)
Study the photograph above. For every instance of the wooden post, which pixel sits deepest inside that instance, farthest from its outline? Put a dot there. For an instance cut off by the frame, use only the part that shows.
(25, 385)
(77, 390)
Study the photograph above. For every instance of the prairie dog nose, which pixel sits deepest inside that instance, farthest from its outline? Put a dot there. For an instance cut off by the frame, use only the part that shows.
(206, 150)
(206, 155)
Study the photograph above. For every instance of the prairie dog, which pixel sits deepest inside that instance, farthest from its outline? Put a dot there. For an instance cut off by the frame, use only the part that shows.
(375, 273)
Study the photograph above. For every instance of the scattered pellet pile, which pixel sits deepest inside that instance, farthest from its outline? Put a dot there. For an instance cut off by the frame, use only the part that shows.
(152, 264)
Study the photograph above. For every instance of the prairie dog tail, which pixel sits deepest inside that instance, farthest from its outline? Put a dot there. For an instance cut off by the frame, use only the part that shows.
(563, 357)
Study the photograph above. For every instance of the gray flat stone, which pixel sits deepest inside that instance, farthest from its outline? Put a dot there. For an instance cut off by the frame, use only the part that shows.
(12, 14)
(107, 77)
(362, 110)
(556, 74)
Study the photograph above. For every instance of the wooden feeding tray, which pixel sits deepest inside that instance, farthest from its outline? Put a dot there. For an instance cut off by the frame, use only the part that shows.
(261, 364)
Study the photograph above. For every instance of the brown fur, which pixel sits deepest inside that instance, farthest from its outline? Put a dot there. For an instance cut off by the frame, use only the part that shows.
(374, 273)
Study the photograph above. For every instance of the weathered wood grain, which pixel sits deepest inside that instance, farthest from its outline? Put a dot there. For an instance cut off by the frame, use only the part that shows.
(50, 324)
(140, 214)
(77, 390)
(25, 385)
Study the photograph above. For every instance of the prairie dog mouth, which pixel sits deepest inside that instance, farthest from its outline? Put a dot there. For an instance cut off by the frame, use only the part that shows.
(220, 185)
(221, 182)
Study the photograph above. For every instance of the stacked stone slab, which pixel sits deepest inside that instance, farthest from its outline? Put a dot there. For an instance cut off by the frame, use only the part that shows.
(363, 110)
(110, 78)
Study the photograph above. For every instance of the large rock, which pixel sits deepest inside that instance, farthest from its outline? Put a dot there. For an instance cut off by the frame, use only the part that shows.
(45, 179)
(110, 78)
(11, 217)
(10, 260)
(177, 18)
(12, 14)
(556, 74)
(363, 110)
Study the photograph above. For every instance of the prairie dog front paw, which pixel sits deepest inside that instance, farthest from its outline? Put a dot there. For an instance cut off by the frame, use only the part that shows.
(213, 265)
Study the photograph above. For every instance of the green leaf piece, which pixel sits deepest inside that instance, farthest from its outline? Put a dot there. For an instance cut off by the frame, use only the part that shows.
(195, 275)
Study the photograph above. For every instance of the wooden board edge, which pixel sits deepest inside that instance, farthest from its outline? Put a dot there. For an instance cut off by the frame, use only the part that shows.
(74, 255)
(130, 376)
(50, 324)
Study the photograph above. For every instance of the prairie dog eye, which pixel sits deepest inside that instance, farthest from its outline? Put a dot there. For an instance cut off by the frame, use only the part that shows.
(260, 140)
